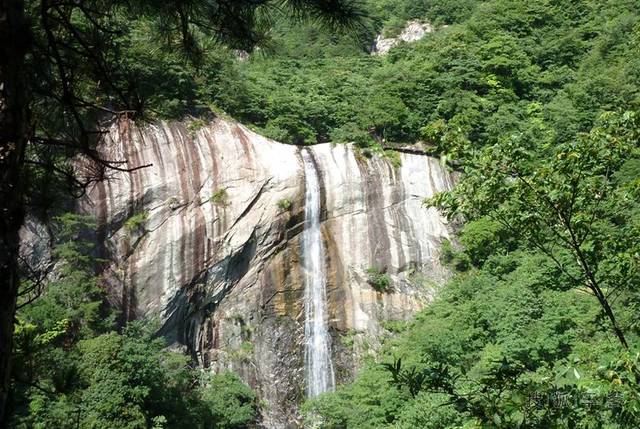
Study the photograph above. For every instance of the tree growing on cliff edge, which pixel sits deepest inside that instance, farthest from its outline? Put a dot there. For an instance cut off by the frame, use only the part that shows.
(62, 68)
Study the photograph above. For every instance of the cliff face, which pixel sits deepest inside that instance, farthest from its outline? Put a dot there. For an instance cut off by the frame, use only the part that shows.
(208, 240)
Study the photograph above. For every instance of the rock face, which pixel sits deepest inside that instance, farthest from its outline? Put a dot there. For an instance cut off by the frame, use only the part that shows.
(414, 31)
(207, 238)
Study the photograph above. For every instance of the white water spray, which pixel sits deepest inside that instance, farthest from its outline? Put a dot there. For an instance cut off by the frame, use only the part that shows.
(317, 358)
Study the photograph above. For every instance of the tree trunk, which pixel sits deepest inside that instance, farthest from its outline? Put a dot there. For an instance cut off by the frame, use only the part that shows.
(14, 133)
(606, 308)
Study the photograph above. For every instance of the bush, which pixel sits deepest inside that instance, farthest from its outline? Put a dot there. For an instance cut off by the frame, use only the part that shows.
(195, 125)
(220, 197)
(348, 337)
(378, 280)
(284, 204)
(136, 222)
(394, 326)
(394, 158)
(447, 254)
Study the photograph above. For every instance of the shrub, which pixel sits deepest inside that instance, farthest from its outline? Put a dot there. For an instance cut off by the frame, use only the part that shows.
(481, 238)
(449, 256)
(220, 197)
(378, 280)
(393, 157)
(395, 326)
(284, 204)
(195, 125)
(136, 222)
(347, 339)
(243, 352)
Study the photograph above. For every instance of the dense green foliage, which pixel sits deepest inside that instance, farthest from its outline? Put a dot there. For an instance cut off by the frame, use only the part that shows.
(378, 280)
(501, 347)
(72, 369)
(530, 68)
(304, 84)
(566, 200)
(536, 103)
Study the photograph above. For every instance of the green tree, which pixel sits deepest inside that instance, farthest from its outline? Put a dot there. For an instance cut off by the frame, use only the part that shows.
(229, 403)
(563, 200)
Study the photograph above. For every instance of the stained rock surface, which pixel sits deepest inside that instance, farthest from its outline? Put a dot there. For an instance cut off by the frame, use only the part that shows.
(207, 239)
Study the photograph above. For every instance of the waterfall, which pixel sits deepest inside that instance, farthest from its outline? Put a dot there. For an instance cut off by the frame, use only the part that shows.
(317, 365)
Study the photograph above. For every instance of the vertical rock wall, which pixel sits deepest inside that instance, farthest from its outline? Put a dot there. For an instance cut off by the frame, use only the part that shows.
(207, 238)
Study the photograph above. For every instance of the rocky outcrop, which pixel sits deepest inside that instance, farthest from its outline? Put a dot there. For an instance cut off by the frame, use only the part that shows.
(207, 238)
(412, 32)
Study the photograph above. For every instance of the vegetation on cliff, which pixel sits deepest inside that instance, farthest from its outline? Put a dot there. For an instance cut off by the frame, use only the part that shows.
(536, 102)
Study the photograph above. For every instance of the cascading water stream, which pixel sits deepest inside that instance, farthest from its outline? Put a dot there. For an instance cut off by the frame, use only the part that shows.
(318, 365)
